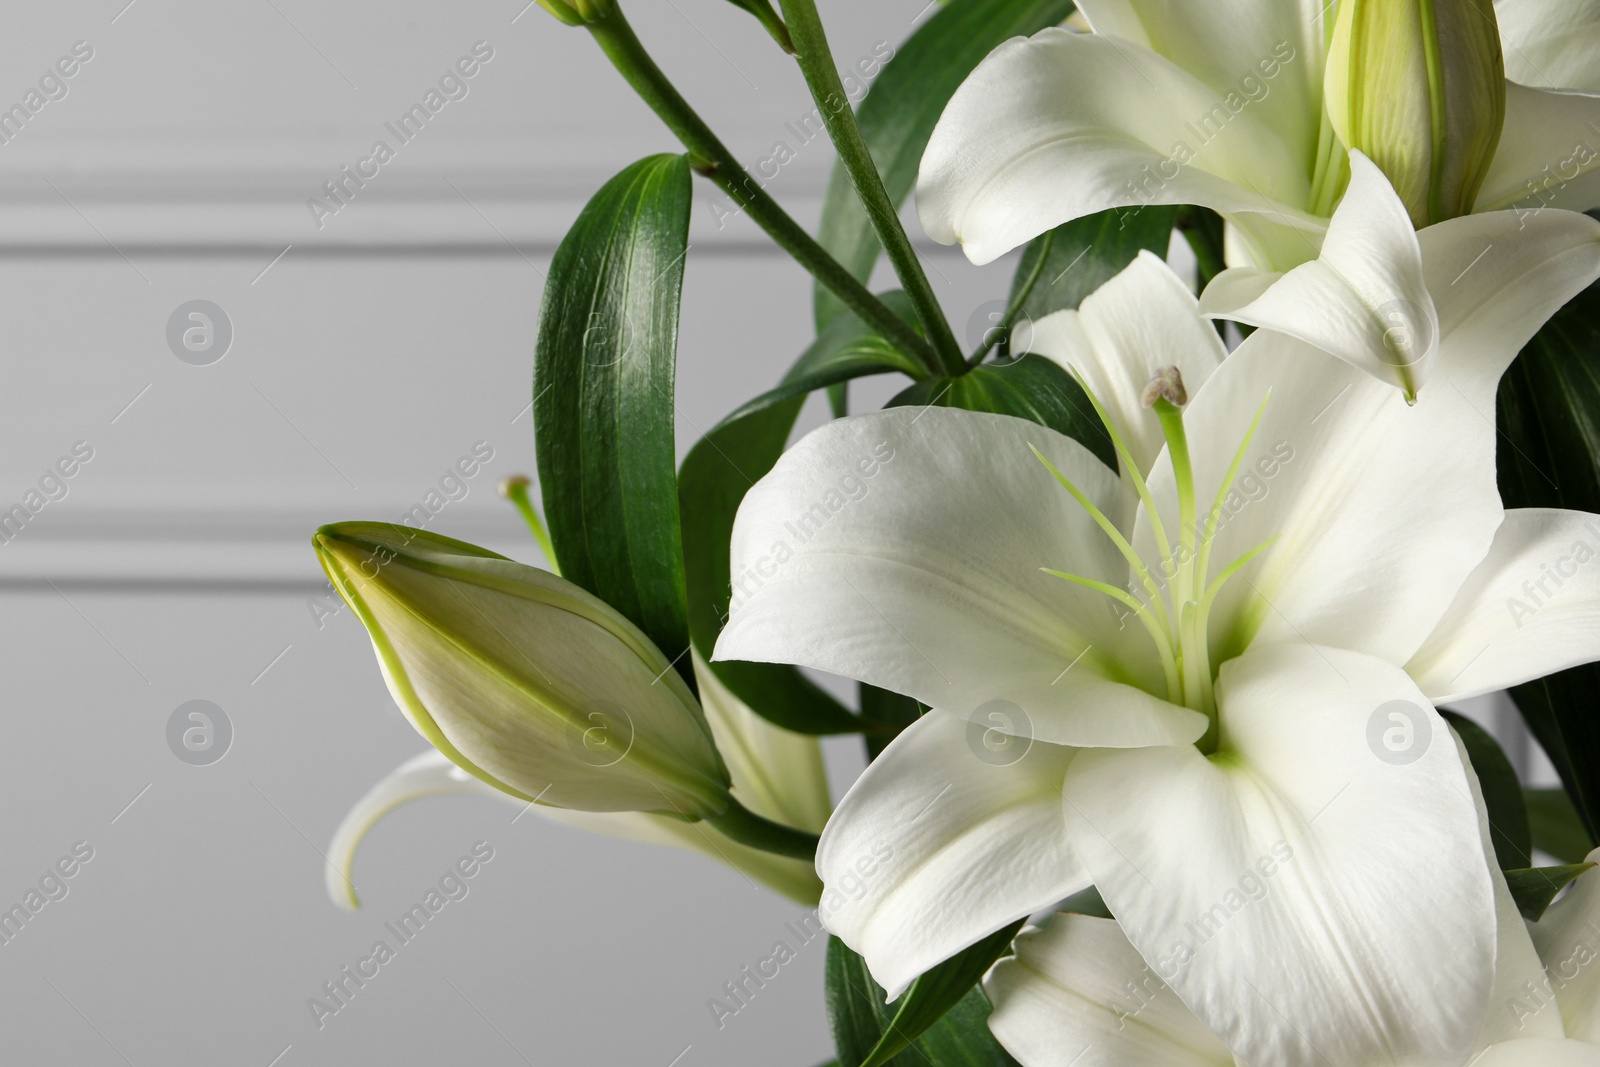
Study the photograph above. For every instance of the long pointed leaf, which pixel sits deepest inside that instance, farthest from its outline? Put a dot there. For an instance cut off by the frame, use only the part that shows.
(603, 397)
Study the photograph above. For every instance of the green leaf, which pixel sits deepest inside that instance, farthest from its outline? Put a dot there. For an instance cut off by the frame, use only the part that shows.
(1533, 888)
(898, 115)
(845, 350)
(716, 474)
(886, 714)
(604, 365)
(1549, 415)
(1086, 253)
(1032, 388)
(1556, 827)
(1502, 793)
(859, 1018)
(1203, 229)
(938, 990)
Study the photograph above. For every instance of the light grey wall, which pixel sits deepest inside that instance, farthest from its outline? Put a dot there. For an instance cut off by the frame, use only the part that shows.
(366, 357)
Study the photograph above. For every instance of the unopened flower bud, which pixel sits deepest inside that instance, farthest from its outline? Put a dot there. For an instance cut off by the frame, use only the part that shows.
(1420, 87)
(523, 679)
(578, 12)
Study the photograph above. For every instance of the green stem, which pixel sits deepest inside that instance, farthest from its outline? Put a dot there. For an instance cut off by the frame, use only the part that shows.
(515, 489)
(746, 827)
(992, 337)
(711, 157)
(816, 63)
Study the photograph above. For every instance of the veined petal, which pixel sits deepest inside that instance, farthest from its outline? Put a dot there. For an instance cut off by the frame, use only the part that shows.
(1077, 992)
(1496, 277)
(1138, 322)
(1256, 881)
(940, 843)
(1551, 44)
(1531, 608)
(1547, 157)
(430, 774)
(1267, 51)
(1568, 939)
(1385, 509)
(1061, 125)
(1379, 510)
(903, 548)
(1364, 299)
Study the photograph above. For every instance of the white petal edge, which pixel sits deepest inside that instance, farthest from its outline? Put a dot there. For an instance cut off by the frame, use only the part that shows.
(1547, 156)
(1551, 44)
(1269, 52)
(1259, 887)
(944, 840)
(430, 774)
(1364, 299)
(1061, 125)
(924, 576)
(1531, 608)
(1070, 993)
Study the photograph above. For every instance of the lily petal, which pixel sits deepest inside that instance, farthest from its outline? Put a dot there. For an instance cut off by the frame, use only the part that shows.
(1364, 299)
(1071, 990)
(940, 843)
(1266, 52)
(1551, 44)
(776, 773)
(1547, 156)
(1531, 608)
(1545, 1052)
(1061, 125)
(1259, 887)
(1143, 319)
(1567, 938)
(430, 774)
(1496, 277)
(1369, 551)
(903, 548)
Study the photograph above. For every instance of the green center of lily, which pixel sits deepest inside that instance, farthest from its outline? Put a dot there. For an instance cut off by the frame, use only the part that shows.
(1172, 599)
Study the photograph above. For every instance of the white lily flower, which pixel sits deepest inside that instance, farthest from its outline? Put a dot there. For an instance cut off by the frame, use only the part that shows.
(1369, 296)
(1292, 581)
(776, 773)
(1076, 987)
(1221, 105)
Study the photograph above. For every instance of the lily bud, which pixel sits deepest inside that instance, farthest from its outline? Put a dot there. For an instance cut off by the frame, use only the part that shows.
(578, 12)
(1420, 87)
(524, 680)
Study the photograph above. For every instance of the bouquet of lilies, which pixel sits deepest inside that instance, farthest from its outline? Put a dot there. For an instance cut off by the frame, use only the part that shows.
(1155, 600)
